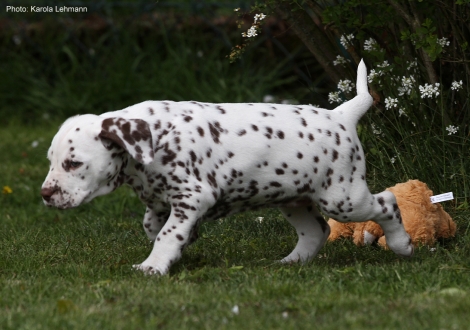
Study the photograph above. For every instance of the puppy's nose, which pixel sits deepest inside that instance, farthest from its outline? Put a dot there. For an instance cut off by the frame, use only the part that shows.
(47, 193)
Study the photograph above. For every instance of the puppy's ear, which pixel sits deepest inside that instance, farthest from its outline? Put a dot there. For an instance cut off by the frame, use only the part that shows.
(133, 135)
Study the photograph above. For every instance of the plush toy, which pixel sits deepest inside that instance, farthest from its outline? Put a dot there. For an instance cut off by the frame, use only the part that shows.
(423, 220)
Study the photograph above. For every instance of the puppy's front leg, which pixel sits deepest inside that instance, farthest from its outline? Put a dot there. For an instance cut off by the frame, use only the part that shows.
(172, 239)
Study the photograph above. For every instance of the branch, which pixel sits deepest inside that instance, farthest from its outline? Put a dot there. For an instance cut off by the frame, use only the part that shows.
(312, 36)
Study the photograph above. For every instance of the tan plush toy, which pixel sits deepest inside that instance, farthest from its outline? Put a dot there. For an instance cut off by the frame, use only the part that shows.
(423, 220)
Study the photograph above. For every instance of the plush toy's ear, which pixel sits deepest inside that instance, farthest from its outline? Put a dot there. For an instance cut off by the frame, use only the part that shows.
(133, 135)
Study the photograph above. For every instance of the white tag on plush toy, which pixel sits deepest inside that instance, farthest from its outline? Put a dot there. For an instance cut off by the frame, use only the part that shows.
(442, 197)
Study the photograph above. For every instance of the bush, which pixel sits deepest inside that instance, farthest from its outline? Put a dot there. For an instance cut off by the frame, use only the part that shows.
(417, 54)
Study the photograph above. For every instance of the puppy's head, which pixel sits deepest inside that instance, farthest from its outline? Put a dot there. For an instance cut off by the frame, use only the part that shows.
(87, 154)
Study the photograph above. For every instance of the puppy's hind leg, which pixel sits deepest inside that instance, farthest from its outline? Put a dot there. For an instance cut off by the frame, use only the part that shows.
(312, 230)
(387, 215)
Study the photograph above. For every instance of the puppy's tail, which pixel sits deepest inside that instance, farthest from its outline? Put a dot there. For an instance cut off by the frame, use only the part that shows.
(354, 109)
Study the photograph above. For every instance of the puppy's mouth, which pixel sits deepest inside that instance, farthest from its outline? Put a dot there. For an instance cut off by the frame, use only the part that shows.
(65, 206)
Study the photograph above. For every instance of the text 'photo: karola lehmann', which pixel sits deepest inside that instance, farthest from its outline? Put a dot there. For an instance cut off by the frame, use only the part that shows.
(46, 9)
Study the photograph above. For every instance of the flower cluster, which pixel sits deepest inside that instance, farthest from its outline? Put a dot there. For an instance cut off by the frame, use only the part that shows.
(253, 30)
(373, 74)
(334, 97)
(452, 129)
(407, 85)
(456, 85)
(390, 103)
(413, 65)
(376, 130)
(371, 45)
(345, 85)
(340, 60)
(429, 90)
(443, 42)
(346, 40)
(383, 65)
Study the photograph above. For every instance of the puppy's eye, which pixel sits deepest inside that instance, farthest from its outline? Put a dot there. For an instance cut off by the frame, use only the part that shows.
(75, 164)
(68, 165)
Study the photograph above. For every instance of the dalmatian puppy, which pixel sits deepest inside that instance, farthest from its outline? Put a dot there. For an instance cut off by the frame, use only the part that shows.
(192, 161)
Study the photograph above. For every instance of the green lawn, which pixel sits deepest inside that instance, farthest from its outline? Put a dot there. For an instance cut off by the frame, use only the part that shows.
(73, 269)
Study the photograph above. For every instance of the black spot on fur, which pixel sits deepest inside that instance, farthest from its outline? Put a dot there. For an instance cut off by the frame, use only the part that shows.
(334, 156)
(200, 130)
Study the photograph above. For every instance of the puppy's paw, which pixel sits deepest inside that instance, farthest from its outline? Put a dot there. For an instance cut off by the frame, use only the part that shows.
(401, 246)
(148, 269)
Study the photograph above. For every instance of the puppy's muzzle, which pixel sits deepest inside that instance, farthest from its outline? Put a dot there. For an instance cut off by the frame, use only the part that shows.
(47, 193)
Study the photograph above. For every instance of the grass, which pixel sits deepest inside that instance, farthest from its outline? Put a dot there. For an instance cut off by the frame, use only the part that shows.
(73, 268)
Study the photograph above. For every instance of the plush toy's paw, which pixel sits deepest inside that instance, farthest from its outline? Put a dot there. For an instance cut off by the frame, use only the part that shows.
(369, 238)
(147, 269)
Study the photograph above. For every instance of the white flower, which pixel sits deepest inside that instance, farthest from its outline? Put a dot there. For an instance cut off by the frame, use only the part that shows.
(443, 42)
(236, 9)
(346, 40)
(235, 310)
(35, 144)
(340, 60)
(372, 75)
(250, 33)
(393, 159)
(17, 40)
(383, 65)
(345, 85)
(333, 97)
(429, 90)
(412, 65)
(407, 85)
(390, 103)
(268, 99)
(371, 44)
(375, 130)
(401, 112)
(259, 17)
(456, 85)
(452, 129)
(259, 219)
